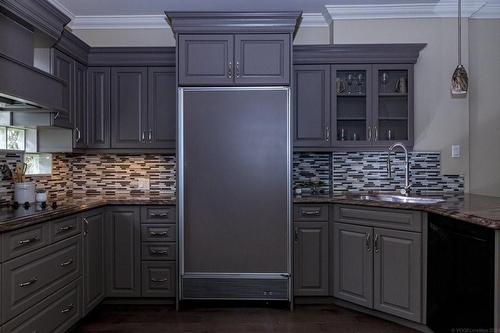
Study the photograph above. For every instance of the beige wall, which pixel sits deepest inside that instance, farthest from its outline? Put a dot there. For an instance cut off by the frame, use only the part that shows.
(484, 43)
(440, 120)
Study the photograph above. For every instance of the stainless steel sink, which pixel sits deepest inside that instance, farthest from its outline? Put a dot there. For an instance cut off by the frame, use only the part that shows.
(401, 199)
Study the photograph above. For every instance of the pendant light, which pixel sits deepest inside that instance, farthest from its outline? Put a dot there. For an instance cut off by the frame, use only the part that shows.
(459, 79)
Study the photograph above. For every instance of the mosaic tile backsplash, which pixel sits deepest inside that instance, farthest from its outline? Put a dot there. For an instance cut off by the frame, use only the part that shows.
(367, 171)
(98, 174)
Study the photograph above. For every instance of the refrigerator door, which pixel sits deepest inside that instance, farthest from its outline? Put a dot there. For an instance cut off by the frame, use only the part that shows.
(234, 193)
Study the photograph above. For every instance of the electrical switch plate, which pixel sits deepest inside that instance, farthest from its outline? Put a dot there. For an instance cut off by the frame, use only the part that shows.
(455, 151)
(143, 183)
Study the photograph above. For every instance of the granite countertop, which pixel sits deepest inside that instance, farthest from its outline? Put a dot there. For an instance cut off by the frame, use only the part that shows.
(477, 209)
(13, 219)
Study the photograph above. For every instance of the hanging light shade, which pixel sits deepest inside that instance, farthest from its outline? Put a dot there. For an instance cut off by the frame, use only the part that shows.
(459, 79)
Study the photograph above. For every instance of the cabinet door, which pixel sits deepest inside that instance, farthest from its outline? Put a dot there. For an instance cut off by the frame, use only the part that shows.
(353, 264)
(262, 59)
(158, 279)
(351, 106)
(129, 93)
(93, 259)
(80, 109)
(162, 105)
(206, 59)
(311, 259)
(123, 254)
(99, 107)
(311, 106)
(63, 68)
(397, 273)
(392, 104)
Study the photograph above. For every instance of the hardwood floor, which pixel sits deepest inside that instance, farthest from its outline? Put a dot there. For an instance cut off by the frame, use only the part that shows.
(305, 319)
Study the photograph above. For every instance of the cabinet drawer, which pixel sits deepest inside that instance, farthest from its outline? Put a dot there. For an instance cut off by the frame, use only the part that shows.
(379, 217)
(55, 314)
(152, 214)
(158, 279)
(30, 278)
(158, 232)
(64, 228)
(158, 251)
(310, 212)
(19, 242)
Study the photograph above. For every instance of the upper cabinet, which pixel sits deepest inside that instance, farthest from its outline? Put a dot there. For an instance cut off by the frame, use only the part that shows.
(243, 59)
(63, 67)
(352, 97)
(161, 107)
(234, 48)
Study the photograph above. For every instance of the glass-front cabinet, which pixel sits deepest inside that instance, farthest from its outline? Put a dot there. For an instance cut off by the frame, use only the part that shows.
(392, 104)
(351, 105)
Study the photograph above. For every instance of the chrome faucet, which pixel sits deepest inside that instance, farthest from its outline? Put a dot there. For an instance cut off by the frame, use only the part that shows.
(406, 190)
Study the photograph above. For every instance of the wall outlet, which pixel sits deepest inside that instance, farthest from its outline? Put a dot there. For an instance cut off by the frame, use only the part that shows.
(455, 151)
(143, 183)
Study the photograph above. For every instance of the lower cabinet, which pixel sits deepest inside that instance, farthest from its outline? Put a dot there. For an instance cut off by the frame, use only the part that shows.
(123, 252)
(310, 259)
(158, 279)
(379, 268)
(93, 259)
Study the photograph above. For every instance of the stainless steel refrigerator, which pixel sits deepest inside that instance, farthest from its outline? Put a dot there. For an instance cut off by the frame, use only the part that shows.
(234, 195)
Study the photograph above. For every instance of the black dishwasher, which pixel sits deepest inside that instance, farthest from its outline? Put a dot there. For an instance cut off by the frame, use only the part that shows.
(460, 276)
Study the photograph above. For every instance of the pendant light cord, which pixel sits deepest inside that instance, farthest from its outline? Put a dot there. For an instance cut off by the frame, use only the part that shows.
(459, 32)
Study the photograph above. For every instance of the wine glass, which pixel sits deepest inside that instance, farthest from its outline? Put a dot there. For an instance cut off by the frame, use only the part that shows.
(385, 80)
(350, 79)
(360, 83)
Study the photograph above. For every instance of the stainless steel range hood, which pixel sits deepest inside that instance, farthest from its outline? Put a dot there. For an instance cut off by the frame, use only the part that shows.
(10, 104)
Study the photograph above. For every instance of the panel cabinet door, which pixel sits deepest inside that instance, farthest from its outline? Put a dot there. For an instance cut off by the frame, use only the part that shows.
(123, 254)
(353, 264)
(351, 106)
(262, 59)
(99, 107)
(311, 106)
(162, 105)
(129, 93)
(392, 104)
(63, 67)
(93, 259)
(311, 259)
(206, 59)
(80, 109)
(397, 273)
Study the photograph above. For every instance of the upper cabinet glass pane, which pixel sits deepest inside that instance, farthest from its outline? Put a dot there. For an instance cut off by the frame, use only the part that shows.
(15, 139)
(3, 137)
(351, 83)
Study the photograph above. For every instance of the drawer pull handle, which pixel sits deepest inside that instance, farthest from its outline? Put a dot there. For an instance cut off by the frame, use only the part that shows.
(158, 215)
(376, 244)
(66, 263)
(67, 309)
(23, 242)
(64, 229)
(159, 252)
(159, 280)
(158, 234)
(368, 247)
(28, 283)
(311, 212)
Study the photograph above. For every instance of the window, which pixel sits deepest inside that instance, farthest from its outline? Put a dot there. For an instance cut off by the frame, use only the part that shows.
(38, 164)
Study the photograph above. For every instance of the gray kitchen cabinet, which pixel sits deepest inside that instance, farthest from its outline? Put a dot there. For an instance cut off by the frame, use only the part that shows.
(241, 59)
(63, 67)
(80, 106)
(205, 59)
(99, 107)
(353, 263)
(311, 100)
(123, 252)
(93, 259)
(158, 279)
(129, 93)
(398, 273)
(311, 259)
(162, 106)
(262, 59)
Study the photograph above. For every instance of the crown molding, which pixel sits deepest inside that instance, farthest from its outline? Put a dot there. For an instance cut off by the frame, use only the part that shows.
(313, 20)
(441, 9)
(489, 11)
(62, 8)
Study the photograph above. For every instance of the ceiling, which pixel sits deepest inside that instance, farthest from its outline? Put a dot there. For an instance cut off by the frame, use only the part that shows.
(156, 7)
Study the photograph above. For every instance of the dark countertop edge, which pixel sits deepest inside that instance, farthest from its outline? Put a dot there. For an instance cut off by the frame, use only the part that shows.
(22, 222)
(486, 222)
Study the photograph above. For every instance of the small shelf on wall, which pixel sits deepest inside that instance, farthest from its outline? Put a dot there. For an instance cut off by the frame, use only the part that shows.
(352, 119)
(394, 118)
(351, 95)
(395, 94)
